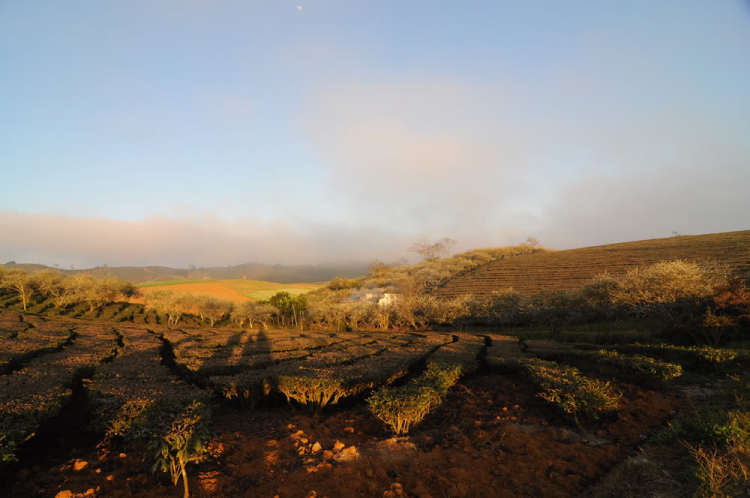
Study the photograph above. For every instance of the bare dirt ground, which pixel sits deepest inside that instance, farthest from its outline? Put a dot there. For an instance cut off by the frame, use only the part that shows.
(493, 437)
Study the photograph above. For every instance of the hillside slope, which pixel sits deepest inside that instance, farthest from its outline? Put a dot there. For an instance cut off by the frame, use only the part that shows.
(253, 271)
(569, 269)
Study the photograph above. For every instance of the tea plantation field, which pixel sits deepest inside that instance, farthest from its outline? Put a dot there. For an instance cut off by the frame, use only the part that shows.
(94, 404)
(565, 270)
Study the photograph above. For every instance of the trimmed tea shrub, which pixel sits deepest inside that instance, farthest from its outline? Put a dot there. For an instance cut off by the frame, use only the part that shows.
(575, 394)
(403, 407)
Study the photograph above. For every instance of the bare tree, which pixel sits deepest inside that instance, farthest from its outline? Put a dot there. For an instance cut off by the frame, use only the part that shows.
(213, 308)
(169, 303)
(398, 262)
(424, 249)
(19, 281)
(430, 251)
(99, 291)
(53, 285)
(446, 244)
(532, 241)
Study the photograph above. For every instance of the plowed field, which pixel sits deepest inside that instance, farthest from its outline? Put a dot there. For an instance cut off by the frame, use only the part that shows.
(214, 289)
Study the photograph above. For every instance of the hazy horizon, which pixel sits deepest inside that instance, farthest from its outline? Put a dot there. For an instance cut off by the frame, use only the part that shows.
(220, 133)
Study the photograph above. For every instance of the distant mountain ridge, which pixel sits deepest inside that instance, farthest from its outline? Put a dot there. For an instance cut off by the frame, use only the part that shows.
(253, 271)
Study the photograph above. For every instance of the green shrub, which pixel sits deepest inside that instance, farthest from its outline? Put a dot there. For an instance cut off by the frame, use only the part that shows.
(638, 366)
(700, 357)
(403, 407)
(667, 282)
(554, 309)
(503, 308)
(441, 376)
(575, 394)
(7, 449)
(184, 443)
(126, 421)
(312, 392)
(735, 431)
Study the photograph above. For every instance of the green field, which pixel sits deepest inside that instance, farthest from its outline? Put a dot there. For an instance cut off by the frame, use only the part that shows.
(257, 290)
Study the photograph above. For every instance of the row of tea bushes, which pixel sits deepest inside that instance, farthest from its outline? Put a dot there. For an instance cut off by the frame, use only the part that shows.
(463, 351)
(327, 379)
(703, 358)
(22, 342)
(250, 382)
(403, 407)
(503, 352)
(37, 392)
(138, 399)
(330, 374)
(637, 368)
(135, 393)
(562, 385)
(224, 352)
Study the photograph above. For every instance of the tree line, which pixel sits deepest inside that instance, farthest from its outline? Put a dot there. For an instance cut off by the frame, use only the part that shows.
(700, 303)
(65, 291)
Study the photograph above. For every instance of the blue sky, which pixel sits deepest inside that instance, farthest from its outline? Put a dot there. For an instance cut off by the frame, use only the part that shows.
(192, 131)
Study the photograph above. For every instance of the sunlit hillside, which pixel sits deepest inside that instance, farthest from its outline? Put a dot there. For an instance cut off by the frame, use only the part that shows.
(561, 270)
(236, 290)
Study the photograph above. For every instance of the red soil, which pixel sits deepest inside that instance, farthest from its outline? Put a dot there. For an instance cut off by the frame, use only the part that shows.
(492, 438)
(210, 289)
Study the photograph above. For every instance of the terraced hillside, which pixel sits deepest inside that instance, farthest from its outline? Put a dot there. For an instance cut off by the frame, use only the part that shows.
(562, 270)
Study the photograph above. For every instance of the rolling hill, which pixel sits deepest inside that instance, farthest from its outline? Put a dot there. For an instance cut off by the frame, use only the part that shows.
(251, 271)
(561, 270)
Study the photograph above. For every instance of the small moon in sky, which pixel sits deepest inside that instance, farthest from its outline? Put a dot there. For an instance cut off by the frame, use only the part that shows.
(299, 7)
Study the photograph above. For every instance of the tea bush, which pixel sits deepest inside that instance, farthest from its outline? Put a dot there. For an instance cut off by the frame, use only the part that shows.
(694, 357)
(575, 394)
(642, 369)
(403, 407)
(639, 367)
(311, 391)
